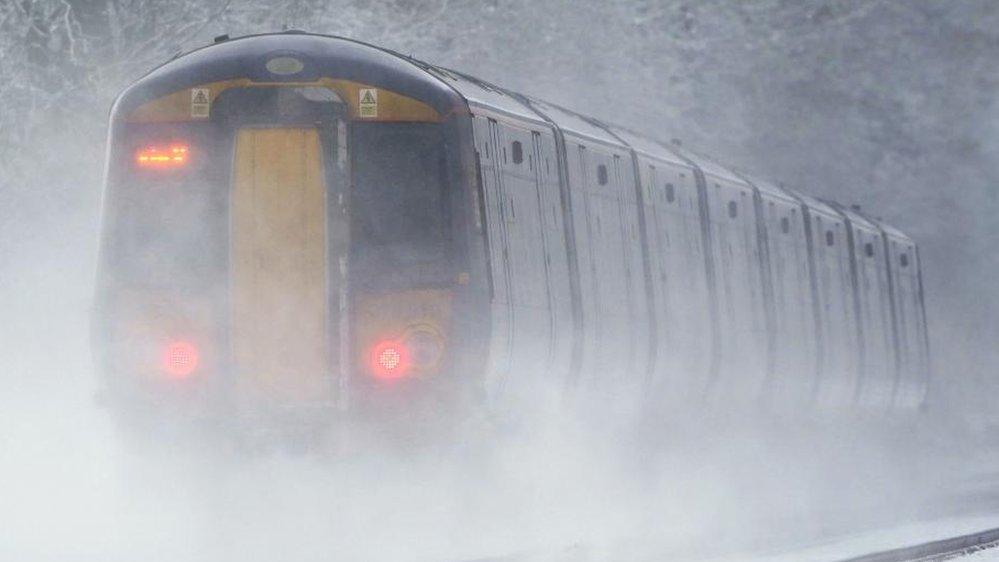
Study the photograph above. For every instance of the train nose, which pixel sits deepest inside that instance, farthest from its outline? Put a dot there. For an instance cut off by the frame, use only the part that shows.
(419, 350)
(426, 347)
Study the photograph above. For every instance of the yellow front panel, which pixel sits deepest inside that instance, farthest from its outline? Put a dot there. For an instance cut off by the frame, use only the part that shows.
(179, 106)
(279, 284)
(396, 316)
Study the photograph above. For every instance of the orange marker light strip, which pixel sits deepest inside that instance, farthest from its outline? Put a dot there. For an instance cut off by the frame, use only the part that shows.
(173, 156)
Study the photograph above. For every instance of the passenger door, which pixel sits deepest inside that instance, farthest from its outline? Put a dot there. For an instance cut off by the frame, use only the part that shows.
(280, 283)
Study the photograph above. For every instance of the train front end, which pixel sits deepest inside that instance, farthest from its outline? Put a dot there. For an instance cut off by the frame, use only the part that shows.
(283, 243)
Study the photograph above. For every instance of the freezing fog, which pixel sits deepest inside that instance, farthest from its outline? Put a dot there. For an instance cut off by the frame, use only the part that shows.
(891, 106)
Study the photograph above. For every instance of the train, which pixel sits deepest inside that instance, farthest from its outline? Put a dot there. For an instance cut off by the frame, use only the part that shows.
(299, 227)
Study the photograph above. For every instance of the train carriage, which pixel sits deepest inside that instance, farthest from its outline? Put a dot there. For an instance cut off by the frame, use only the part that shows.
(296, 225)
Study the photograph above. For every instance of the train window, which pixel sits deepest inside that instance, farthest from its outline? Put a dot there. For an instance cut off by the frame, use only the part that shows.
(670, 193)
(830, 238)
(166, 236)
(733, 209)
(602, 174)
(518, 152)
(167, 228)
(904, 260)
(785, 225)
(869, 249)
(400, 212)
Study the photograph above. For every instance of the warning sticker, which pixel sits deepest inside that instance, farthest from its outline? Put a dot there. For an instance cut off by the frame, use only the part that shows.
(201, 102)
(367, 104)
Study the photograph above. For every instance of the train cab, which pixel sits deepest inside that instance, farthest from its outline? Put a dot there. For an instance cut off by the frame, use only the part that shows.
(298, 226)
(283, 235)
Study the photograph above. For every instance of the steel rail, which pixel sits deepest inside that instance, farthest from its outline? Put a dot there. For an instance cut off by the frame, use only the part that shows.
(944, 549)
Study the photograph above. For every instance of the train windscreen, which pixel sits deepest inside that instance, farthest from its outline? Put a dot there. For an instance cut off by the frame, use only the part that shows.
(399, 204)
(169, 213)
(170, 222)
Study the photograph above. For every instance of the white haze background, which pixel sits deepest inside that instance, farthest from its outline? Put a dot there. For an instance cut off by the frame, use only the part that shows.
(890, 105)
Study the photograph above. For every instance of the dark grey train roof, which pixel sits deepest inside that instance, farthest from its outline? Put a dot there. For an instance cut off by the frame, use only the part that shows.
(862, 221)
(579, 126)
(443, 89)
(648, 147)
(709, 166)
(484, 96)
(323, 56)
(768, 188)
(858, 219)
(816, 205)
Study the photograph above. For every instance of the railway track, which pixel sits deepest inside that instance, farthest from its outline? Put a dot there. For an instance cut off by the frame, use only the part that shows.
(934, 551)
(945, 549)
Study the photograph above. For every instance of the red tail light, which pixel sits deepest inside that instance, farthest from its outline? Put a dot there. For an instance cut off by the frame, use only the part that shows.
(173, 156)
(180, 359)
(390, 360)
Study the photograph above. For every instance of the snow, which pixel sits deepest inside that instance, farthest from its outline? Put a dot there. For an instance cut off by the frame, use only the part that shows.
(890, 105)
